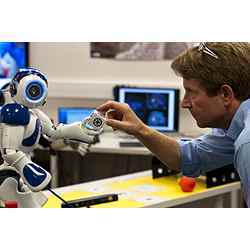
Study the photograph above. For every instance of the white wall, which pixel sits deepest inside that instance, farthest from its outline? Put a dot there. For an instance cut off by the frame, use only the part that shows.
(75, 79)
(69, 64)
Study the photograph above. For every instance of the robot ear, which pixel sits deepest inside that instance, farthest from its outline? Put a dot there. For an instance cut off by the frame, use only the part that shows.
(13, 90)
(2, 99)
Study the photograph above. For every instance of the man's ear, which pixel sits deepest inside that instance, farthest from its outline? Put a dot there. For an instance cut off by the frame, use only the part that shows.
(227, 93)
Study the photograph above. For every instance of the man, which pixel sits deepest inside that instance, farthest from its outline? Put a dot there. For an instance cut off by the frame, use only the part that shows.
(216, 79)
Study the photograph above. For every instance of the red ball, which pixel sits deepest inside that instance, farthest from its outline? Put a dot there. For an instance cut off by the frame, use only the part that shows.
(187, 184)
(10, 204)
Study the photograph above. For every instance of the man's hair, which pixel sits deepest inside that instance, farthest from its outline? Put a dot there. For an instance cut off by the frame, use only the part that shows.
(232, 67)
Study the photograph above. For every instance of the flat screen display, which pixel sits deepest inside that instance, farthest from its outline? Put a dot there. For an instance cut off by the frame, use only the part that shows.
(156, 107)
(13, 55)
(68, 115)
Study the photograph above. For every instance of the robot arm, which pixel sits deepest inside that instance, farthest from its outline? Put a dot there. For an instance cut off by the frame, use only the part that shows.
(85, 131)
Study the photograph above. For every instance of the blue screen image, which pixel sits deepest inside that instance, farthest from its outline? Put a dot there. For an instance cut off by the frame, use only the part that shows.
(157, 101)
(13, 55)
(150, 108)
(70, 115)
(157, 118)
(137, 103)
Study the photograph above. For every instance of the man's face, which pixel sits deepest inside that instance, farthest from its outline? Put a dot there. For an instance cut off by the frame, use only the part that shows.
(207, 111)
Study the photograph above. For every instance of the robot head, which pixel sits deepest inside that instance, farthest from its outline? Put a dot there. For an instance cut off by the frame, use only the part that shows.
(29, 87)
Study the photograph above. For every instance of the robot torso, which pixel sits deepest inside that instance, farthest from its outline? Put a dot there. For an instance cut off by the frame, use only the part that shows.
(21, 126)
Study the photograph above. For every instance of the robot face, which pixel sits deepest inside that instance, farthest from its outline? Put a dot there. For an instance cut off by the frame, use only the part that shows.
(29, 89)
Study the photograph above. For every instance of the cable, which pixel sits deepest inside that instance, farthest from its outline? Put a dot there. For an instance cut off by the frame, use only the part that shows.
(58, 196)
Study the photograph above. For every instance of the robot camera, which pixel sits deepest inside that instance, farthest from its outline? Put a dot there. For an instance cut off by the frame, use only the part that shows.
(34, 90)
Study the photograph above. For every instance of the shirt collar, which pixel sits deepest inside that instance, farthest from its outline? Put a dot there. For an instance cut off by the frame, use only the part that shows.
(238, 121)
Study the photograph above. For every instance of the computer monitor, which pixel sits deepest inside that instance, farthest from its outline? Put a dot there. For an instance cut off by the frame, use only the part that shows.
(68, 115)
(13, 55)
(156, 107)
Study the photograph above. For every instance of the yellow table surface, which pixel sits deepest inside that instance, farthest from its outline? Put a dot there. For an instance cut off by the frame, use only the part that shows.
(138, 192)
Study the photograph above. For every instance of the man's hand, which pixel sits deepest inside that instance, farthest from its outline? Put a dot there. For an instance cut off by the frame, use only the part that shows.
(120, 116)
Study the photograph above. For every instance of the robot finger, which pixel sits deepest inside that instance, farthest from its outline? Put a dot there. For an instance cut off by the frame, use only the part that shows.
(94, 132)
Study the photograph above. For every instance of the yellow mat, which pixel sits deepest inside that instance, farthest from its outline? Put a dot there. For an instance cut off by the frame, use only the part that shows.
(138, 192)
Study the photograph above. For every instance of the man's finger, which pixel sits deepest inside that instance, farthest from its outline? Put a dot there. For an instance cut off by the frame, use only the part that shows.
(115, 124)
(111, 105)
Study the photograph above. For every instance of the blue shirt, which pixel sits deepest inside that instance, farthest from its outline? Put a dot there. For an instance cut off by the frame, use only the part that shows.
(220, 148)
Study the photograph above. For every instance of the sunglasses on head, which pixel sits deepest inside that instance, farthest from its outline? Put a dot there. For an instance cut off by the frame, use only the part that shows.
(204, 49)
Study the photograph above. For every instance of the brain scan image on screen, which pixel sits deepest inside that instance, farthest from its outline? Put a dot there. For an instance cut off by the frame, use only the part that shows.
(156, 107)
(157, 101)
(157, 118)
(137, 104)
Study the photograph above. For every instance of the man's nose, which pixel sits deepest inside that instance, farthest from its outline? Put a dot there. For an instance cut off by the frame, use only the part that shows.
(185, 103)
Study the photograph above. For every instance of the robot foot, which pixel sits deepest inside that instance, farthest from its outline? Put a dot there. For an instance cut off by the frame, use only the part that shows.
(35, 177)
(11, 189)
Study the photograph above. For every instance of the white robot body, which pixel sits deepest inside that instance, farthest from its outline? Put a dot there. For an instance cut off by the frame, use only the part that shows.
(22, 124)
(13, 136)
(17, 141)
(10, 138)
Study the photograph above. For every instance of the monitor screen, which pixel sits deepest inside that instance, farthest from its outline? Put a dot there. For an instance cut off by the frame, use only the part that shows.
(13, 55)
(156, 107)
(68, 115)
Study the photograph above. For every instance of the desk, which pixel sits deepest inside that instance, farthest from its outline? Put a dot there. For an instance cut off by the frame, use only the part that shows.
(140, 190)
(108, 145)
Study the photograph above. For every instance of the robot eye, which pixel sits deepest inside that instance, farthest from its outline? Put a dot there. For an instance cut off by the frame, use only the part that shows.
(34, 91)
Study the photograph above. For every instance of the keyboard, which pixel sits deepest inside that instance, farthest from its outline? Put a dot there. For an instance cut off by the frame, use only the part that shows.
(130, 144)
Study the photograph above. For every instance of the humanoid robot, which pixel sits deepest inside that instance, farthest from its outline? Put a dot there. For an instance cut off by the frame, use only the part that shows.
(22, 124)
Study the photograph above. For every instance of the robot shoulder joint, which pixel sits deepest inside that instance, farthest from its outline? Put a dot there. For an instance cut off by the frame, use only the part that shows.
(15, 114)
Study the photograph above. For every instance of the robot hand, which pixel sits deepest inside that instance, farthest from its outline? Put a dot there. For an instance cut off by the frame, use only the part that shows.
(85, 131)
(81, 148)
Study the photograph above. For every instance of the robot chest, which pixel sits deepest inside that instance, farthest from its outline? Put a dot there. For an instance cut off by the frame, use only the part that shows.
(32, 133)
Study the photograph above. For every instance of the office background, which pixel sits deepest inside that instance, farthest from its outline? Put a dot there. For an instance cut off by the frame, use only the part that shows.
(76, 79)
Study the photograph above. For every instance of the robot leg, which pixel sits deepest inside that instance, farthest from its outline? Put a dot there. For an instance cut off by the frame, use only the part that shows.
(34, 176)
(12, 188)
